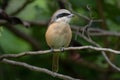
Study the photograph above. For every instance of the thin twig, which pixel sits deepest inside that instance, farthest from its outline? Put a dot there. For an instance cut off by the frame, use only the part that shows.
(38, 69)
(24, 36)
(96, 31)
(102, 51)
(88, 38)
(79, 15)
(22, 7)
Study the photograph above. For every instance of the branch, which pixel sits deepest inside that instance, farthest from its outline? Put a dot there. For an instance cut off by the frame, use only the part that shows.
(24, 36)
(77, 14)
(96, 31)
(61, 4)
(57, 50)
(102, 51)
(92, 31)
(88, 38)
(22, 7)
(4, 4)
(38, 69)
(37, 23)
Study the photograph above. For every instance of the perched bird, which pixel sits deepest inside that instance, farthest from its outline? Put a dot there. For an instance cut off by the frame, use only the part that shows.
(59, 34)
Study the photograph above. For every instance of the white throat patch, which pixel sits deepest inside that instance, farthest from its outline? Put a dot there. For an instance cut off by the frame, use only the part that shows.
(63, 19)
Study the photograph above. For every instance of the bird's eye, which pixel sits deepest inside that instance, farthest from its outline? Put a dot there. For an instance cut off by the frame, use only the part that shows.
(62, 15)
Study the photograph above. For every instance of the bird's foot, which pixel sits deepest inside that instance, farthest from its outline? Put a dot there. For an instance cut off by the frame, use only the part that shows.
(52, 50)
(62, 49)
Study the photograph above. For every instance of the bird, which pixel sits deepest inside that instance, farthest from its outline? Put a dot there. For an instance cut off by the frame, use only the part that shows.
(59, 34)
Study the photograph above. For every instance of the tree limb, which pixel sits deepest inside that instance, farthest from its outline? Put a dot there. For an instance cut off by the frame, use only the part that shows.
(22, 7)
(57, 50)
(38, 69)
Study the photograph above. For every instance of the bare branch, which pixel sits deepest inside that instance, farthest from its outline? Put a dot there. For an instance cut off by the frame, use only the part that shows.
(92, 31)
(88, 38)
(22, 7)
(57, 50)
(79, 15)
(96, 31)
(24, 36)
(102, 51)
(38, 69)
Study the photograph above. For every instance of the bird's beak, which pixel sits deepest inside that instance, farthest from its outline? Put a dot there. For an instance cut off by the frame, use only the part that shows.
(72, 15)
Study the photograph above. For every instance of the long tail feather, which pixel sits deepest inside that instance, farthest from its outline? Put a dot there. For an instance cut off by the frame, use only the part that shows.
(55, 64)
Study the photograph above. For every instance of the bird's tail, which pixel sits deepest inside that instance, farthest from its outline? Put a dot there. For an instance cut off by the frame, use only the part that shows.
(55, 64)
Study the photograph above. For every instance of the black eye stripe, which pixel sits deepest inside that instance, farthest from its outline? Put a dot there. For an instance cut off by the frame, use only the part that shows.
(63, 14)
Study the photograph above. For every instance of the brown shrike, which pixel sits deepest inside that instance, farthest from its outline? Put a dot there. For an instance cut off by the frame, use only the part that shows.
(59, 34)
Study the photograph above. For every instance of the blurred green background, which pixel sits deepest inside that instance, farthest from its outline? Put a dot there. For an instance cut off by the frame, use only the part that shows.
(89, 64)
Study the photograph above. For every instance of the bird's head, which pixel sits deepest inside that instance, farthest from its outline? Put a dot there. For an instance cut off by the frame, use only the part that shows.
(62, 15)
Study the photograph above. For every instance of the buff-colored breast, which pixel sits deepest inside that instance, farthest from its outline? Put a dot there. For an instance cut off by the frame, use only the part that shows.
(58, 35)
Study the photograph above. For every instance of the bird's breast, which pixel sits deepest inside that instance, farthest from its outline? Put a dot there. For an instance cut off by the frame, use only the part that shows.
(58, 35)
